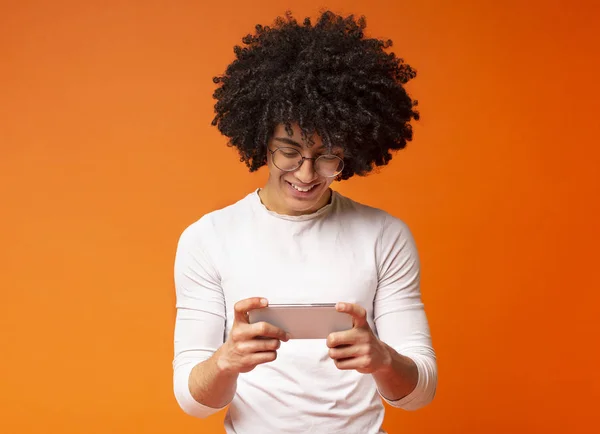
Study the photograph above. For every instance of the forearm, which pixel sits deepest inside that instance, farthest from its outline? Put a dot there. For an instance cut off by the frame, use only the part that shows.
(399, 376)
(210, 385)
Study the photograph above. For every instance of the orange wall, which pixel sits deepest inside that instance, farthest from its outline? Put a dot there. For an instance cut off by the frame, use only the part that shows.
(108, 153)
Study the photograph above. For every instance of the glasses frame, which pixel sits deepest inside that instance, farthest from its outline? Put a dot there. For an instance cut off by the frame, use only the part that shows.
(303, 158)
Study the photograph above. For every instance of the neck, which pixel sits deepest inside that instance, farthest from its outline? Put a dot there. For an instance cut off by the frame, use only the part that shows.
(274, 203)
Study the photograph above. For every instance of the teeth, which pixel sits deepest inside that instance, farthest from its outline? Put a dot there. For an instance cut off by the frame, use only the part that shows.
(304, 190)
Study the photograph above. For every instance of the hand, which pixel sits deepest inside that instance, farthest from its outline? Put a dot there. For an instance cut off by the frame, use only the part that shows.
(249, 345)
(358, 348)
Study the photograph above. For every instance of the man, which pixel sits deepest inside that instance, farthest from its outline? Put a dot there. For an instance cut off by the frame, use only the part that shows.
(315, 104)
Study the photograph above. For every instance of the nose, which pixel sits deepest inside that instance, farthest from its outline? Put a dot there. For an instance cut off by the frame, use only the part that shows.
(306, 172)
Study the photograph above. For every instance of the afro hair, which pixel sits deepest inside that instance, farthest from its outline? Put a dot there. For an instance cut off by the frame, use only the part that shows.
(329, 79)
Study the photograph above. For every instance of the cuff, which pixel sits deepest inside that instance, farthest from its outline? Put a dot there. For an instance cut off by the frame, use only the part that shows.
(424, 391)
(184, 397)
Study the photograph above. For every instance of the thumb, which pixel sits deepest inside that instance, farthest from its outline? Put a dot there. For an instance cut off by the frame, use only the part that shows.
(242, 307)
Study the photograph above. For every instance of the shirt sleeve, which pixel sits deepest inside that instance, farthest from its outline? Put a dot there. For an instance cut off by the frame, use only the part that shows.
(399, 314)
(200, 317)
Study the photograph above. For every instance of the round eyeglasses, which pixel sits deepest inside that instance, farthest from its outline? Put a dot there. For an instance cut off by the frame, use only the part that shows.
(290, 159)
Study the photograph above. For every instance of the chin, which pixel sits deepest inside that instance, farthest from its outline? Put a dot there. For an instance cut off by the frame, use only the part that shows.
(304, 199)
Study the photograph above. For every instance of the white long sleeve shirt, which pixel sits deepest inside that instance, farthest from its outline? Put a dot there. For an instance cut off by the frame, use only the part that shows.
(346, 252)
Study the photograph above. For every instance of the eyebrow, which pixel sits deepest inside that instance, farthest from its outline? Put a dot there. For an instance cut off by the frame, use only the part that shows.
(292, 142)
(287, 141)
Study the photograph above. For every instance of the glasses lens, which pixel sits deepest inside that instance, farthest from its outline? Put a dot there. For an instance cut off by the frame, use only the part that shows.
(290, 159)
(329, 165)
(287, 159)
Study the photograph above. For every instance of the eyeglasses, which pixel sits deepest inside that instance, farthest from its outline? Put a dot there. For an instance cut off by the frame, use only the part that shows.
(290, 159)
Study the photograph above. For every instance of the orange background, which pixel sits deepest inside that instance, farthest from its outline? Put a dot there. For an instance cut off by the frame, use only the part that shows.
(108, 154)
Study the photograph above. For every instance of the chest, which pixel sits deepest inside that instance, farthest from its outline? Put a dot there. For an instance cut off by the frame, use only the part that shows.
(307, 265)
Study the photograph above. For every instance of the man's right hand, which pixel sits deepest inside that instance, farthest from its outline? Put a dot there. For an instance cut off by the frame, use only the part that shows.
(249, 345)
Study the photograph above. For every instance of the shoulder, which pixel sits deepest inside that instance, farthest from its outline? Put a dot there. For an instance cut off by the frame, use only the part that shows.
(213, 224)
(351, 207)
(360, 210)
(386, 223)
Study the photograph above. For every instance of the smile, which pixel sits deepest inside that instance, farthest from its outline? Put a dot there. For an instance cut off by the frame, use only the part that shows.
(303, 190)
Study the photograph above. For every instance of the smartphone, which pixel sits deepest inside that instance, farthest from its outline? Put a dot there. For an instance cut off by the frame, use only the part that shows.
(303, 321)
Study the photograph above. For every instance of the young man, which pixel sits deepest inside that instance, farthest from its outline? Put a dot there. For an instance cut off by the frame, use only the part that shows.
(314, 103)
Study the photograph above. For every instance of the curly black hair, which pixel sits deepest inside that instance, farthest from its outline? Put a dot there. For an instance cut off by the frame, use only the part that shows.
(329, 79)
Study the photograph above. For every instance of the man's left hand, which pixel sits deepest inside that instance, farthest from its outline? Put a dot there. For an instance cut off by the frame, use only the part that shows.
(358, 348)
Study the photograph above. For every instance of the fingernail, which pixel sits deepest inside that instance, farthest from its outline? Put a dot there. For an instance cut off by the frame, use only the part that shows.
(263, 302)
(288, 336)
(341, 305)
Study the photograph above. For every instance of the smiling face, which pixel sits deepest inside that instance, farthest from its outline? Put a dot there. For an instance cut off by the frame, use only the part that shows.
(303, 190)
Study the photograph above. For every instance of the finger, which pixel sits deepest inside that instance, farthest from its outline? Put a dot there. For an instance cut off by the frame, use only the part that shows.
(346, 337)
(347, 351)
(265, 330)
(361, 363)
(263, 357)
(242, 332)
(357, 312)
(258, 345)
(242, 307)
